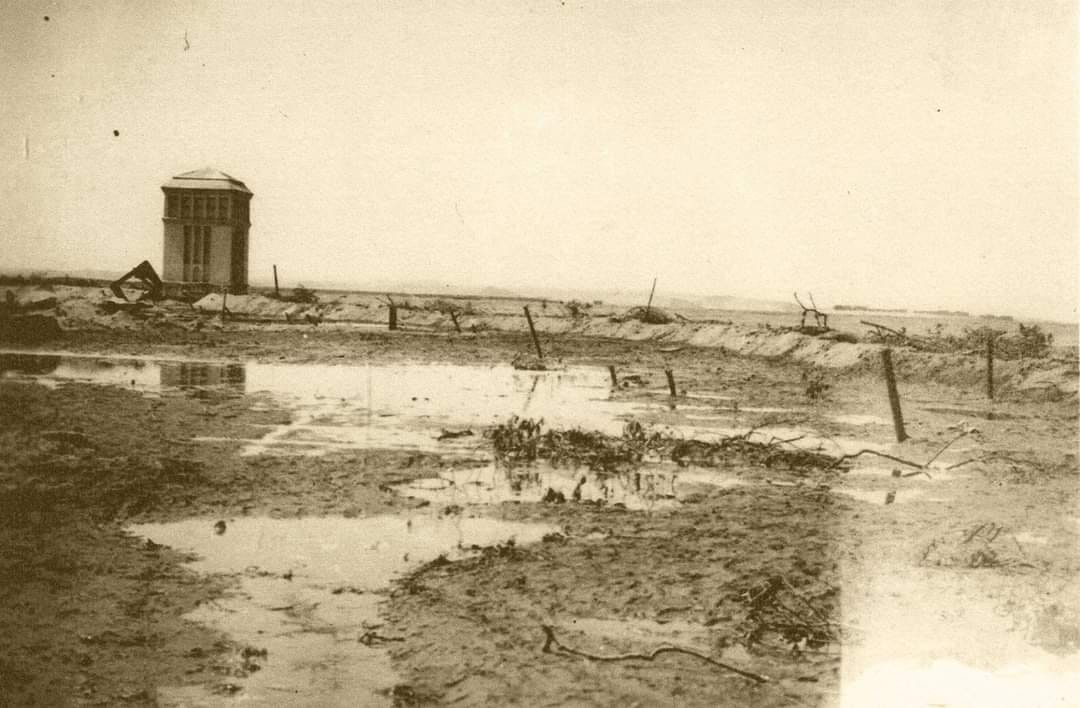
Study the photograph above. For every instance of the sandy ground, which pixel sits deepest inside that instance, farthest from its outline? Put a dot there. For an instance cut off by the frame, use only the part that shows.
(967, 578)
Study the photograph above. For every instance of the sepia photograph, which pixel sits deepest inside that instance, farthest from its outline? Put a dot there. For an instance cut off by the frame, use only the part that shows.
(539, 353)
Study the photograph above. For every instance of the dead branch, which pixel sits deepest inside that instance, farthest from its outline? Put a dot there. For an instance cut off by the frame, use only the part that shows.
(852, 456)
(922, 468)
(551, 642)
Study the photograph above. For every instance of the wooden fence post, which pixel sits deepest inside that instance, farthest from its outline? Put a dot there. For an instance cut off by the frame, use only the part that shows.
(671, 382)
(532, 331)
(894, 397)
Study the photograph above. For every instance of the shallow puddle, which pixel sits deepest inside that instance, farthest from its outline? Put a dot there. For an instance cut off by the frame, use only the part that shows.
(307, 596)
(378, 405)
(651, 487)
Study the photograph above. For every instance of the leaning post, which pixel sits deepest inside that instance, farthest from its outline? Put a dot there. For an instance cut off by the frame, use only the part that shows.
(532, 331)
(894, 397)
(670, 382)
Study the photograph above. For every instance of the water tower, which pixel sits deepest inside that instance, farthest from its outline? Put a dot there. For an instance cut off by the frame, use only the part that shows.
(207, 219)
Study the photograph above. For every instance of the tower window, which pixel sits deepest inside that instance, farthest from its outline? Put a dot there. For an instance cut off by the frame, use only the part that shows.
(172, 206)
(196, 253)
(206, 252)
(185, 211)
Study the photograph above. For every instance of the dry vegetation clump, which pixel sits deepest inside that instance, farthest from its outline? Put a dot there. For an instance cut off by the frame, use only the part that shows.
(577, 309)
(522, 440)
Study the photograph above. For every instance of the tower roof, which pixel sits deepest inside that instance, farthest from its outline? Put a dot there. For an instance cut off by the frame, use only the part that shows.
(206, 178)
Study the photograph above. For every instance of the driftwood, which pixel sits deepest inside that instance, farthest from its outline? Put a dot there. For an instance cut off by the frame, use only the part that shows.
(553, 645)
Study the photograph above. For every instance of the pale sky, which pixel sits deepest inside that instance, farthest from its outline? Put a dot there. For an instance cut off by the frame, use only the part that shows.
(911, 154)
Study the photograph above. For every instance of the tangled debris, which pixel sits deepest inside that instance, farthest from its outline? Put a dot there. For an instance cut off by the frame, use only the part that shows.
(522, 440)
(777, 614)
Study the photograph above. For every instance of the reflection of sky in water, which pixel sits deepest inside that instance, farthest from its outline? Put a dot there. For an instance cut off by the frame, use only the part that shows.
(308, 592)
(650, 487)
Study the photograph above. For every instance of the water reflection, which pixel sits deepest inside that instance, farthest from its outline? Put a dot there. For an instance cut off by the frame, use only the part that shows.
(27, 364)
(183, 374)
(650, 487)
(134, 373)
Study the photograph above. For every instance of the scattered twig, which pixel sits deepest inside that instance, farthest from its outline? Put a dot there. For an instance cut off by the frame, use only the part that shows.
(552, 645)
(974, 532)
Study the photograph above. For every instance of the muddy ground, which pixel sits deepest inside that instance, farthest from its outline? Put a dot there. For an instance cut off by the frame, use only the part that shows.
(808, 577)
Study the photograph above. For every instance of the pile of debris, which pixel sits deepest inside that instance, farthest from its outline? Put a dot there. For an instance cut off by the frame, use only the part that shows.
(777, 616)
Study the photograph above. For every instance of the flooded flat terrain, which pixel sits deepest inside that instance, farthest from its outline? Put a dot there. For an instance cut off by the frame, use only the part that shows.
(372, 547)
